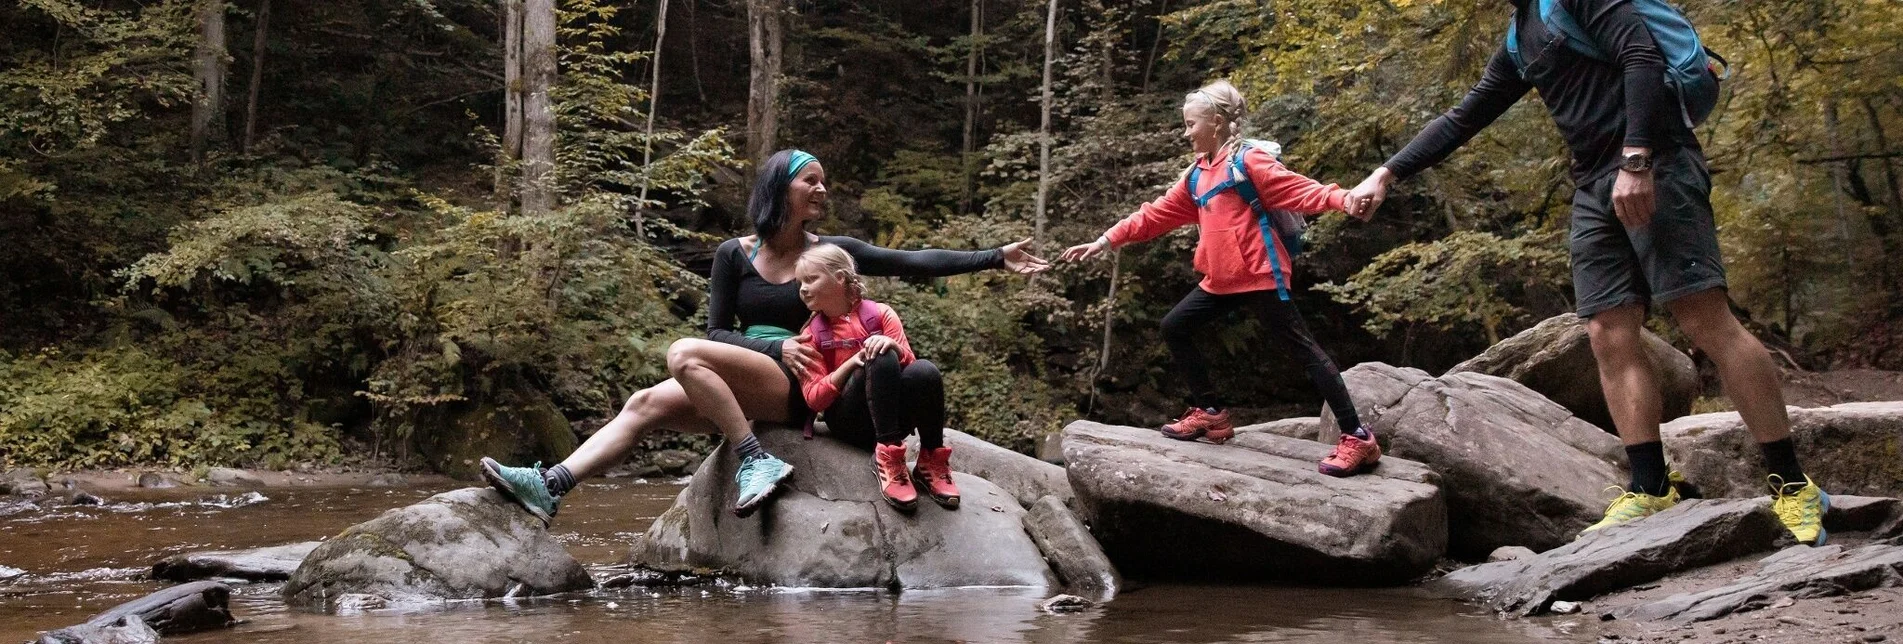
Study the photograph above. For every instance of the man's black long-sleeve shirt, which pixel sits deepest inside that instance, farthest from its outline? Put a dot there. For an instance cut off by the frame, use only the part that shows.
(1600, 107)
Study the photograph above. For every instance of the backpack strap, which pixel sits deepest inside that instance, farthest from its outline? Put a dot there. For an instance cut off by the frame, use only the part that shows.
(1246, 189)
(870, 319)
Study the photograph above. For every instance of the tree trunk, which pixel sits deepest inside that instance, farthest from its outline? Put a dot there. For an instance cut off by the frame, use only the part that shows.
(1884, 227)
(511, 99)
(208, 68)
(647, 144)
(693, 49)
(538, 112)
(971, 106)
(1044, 130)
(1149, 63)
(763, 86)
(257, 77)
(1109, 325)
(1837, 171)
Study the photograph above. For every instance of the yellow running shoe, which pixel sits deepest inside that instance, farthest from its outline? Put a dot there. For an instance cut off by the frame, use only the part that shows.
(1632, 506)
(1800, 507)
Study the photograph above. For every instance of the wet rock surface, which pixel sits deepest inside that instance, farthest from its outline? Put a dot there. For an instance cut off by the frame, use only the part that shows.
(1068, 545)
(257, 564)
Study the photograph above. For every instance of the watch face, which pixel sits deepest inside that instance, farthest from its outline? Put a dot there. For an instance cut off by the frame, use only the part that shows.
(1636, 163)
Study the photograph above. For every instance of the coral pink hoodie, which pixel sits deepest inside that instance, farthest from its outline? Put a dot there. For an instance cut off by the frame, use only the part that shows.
(817, 386)
(1229, 251)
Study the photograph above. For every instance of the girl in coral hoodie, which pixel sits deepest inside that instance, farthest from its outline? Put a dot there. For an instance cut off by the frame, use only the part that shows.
(1241, 266)
(870, 384)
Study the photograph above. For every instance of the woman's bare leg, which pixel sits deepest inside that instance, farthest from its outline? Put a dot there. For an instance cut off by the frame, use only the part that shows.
(663, 405)
(728, 384)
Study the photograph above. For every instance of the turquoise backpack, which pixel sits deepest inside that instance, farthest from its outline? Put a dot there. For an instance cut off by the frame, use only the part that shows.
(1689, 71)
(1286, 225)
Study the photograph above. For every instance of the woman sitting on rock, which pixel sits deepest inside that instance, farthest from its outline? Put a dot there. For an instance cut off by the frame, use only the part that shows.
(1244, 259)
(874, 390)
(749, 365)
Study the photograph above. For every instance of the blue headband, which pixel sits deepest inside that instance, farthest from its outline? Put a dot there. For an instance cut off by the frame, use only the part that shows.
(798, 161)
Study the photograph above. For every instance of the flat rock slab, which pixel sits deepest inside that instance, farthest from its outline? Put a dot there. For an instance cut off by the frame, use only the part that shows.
(1798, 572)
(463, 544)
(275, 563)
(1861, 513)
(1853, 448)
(1302, 427)
(1076, 556)
(126, 629)
(185, 608)
(1253, 509)
(1520, 470)
(829, 528)
(1693, 533)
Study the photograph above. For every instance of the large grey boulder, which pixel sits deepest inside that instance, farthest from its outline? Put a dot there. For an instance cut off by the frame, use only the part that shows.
(1555, 359)
(1691, 534)
(1027, 479)
(257, 564)
(1518, 469)
(1076, 556)
(1255, 508)
(829, 528)
(1302, 427)
(23, 482)
(1853, 448)
(463, 544)
(1798, 572)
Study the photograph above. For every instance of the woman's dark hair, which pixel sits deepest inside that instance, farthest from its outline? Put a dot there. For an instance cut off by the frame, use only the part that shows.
(768, 207)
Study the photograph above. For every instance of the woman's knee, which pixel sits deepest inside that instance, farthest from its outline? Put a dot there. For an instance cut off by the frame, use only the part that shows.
(684, 354)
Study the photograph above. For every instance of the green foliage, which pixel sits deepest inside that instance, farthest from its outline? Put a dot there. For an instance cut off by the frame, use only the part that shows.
(1464, 279)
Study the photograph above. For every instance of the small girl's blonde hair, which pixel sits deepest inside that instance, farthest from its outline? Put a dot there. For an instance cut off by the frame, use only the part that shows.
(1226, 103)
(839, 262)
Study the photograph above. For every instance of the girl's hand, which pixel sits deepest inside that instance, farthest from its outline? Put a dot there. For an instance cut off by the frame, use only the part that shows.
(797, 355)
(875, 345)
(1022, 262)
(1083, 252)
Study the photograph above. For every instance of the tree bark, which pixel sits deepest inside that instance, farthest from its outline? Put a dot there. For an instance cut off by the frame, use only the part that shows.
(1882, 226)
(693, 49)
(208, 68)
(764, 42)
(971, 105)
(647, 144)
(511, 99)
(1109, 325)
(1044, 130)
(257, 77)
(1149, 63)
(1837, 172)
(538, 112)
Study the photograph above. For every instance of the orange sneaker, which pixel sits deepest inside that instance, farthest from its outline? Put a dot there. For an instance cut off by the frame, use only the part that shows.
(933, 475)
(1352, 456)
(888, 461)
(1199, 423)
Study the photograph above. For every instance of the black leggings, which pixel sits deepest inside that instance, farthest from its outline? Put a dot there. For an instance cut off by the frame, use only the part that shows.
(1282, 321)
(884, 402)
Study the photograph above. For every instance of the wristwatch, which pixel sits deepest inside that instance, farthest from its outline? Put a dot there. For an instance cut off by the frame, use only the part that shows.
(1636, 162)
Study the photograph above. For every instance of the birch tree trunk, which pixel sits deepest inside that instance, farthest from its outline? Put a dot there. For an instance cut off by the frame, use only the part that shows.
(971, 105)
(764, 41)
(647, 144)
(1044, 130)
(208, 69)
(538, 112)
(511, 99)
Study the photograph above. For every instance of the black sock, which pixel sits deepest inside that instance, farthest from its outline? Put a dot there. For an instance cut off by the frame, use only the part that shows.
(749, 447)
(1648, 468)
(1780, 457)
(558, 479)
(1362, 433)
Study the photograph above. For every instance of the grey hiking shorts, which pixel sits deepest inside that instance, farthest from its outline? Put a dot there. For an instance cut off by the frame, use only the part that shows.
(1676, 255)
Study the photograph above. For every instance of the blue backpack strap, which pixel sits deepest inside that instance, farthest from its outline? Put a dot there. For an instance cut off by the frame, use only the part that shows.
(1245, 188)
(757, 243)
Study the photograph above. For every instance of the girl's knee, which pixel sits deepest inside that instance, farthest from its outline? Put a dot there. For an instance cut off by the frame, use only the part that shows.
(922, 371)
(1178, 327)
(885, 363)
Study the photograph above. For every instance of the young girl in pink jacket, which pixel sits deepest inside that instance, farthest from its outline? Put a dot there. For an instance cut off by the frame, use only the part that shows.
(871, 386)
(1245, 265)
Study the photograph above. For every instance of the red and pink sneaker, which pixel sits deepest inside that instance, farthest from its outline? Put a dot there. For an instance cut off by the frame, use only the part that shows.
(888, 461)
(1200, 423)
(933, 475)
(1352, 456)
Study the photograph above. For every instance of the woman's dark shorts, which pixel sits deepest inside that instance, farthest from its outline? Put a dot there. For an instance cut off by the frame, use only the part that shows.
(1675, 256)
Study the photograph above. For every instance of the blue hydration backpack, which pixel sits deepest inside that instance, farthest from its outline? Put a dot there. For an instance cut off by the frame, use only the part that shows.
(1285, 225)
(1689, 71)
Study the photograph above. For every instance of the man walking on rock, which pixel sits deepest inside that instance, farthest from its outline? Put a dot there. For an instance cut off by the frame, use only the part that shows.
(1641, 229)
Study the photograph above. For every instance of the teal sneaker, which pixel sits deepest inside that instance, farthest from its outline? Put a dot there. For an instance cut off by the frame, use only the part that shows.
(524, 485)
(758, 478)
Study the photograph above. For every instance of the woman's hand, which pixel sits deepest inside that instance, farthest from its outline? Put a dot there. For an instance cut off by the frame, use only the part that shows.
(1082, 252)
(1022, 262)
(796, 355)
(873, 346)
